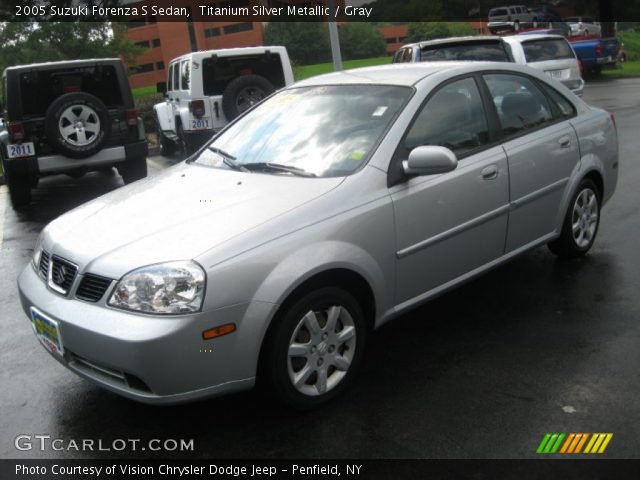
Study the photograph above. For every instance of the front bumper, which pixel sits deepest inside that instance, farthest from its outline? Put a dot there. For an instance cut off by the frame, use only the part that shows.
(153, 359)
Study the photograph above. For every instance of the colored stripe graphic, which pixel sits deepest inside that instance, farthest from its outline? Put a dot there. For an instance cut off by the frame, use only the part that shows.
(550, 443)
(598, 443)
(556, 443)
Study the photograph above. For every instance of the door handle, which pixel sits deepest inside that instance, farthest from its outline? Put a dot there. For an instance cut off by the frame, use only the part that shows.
(565, 142)
(490, 172)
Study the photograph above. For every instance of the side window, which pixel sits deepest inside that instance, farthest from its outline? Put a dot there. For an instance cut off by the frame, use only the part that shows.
(453, 117)
(176, 76)
(520, 104)
(185, 75)
(170, 79)
(565, 107)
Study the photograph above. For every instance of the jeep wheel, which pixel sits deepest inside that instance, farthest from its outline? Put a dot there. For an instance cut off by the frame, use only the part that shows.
(243, 93)
(77, 124)
(133, 169)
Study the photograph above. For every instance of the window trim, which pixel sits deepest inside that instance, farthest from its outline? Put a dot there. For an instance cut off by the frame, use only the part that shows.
(395, 175)
(507, 138)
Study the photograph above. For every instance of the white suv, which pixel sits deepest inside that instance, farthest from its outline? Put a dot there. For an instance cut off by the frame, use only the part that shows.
(509, 18)
(206, 90)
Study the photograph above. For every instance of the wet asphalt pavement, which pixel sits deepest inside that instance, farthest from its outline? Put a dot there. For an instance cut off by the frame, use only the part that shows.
(538, 345)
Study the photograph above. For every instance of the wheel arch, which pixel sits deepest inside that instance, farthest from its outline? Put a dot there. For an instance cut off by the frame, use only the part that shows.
(342, 277)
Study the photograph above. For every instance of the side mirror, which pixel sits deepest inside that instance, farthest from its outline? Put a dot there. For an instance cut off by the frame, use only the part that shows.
(430, 160)
(161, 87)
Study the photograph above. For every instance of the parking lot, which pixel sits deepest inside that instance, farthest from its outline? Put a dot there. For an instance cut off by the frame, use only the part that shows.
(539, 345)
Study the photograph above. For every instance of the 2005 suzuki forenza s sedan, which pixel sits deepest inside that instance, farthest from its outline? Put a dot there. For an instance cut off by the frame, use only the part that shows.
(328, 209)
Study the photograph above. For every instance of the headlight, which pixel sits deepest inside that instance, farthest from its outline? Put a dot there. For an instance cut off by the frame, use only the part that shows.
(37, 252)
(167, 288)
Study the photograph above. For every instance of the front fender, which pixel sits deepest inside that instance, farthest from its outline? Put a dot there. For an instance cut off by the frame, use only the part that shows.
(312, 259)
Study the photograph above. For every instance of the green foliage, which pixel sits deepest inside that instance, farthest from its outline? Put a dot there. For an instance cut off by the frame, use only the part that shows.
(306, 42)
(306, 71)
(28, 42)
(361, 40)
(631, 42)
(421, 31)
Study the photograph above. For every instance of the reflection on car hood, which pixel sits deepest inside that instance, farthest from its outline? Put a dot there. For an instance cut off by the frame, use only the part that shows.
(176, 215)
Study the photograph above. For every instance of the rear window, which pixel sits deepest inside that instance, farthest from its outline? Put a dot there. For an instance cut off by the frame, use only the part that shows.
(482, 51)
(39, 88)
(498, 12)
(543, 50)
(217, 72)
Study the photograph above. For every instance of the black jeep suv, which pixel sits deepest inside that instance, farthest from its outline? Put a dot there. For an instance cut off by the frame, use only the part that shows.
(68, 117)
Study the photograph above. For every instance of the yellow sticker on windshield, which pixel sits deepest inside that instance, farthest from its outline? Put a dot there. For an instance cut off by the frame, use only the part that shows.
(357, 155)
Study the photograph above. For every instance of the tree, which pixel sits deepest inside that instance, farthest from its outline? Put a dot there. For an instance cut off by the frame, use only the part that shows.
(28, 42)
(361, 40)
(306, 42)
(421, 31)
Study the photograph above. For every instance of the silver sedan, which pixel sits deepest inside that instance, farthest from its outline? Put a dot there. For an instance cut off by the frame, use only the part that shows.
(327, 210)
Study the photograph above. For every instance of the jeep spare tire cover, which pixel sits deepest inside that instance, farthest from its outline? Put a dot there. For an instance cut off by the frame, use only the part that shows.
(243, 93)
(77, 124)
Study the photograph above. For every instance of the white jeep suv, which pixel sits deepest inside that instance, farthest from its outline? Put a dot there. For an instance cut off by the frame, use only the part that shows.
(206, 90)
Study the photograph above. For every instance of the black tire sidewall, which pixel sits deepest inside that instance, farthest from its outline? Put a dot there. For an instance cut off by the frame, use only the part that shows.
(566, 245)
(230, 94)
(275, 368)
(52, 117)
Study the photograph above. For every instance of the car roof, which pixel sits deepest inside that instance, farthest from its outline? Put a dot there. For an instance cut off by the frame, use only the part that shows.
(71, 63)
(445, 41)
(226, 52)
(406, 74)
(533, 36)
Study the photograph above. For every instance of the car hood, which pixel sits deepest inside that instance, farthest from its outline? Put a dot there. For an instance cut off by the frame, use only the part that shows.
(178, 214)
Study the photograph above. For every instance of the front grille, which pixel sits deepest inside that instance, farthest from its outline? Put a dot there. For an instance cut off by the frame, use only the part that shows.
(62, 274)
(92, 287)
(44, 264)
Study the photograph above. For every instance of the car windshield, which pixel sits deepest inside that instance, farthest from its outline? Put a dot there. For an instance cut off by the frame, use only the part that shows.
(321, 131)
(491, 51)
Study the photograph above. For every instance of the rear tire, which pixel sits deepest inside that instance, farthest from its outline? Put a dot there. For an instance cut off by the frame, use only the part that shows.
(133, 169)
(315, 348)
(19, 189)
(581, 222)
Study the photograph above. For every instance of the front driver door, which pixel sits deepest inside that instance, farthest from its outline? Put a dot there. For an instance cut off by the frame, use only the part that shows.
(449, 224)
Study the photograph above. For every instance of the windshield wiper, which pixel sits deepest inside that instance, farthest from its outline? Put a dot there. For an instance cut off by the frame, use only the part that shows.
(228, 159)
(278, 167)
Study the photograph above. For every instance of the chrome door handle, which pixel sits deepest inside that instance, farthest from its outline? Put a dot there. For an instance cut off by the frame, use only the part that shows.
(490, 172)
(565, 142)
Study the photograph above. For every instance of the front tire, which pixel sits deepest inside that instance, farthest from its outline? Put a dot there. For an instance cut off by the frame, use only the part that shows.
(581, 222)
(315, 348)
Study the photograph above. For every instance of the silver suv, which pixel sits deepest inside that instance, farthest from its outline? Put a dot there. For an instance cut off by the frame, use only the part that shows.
(510, 17)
